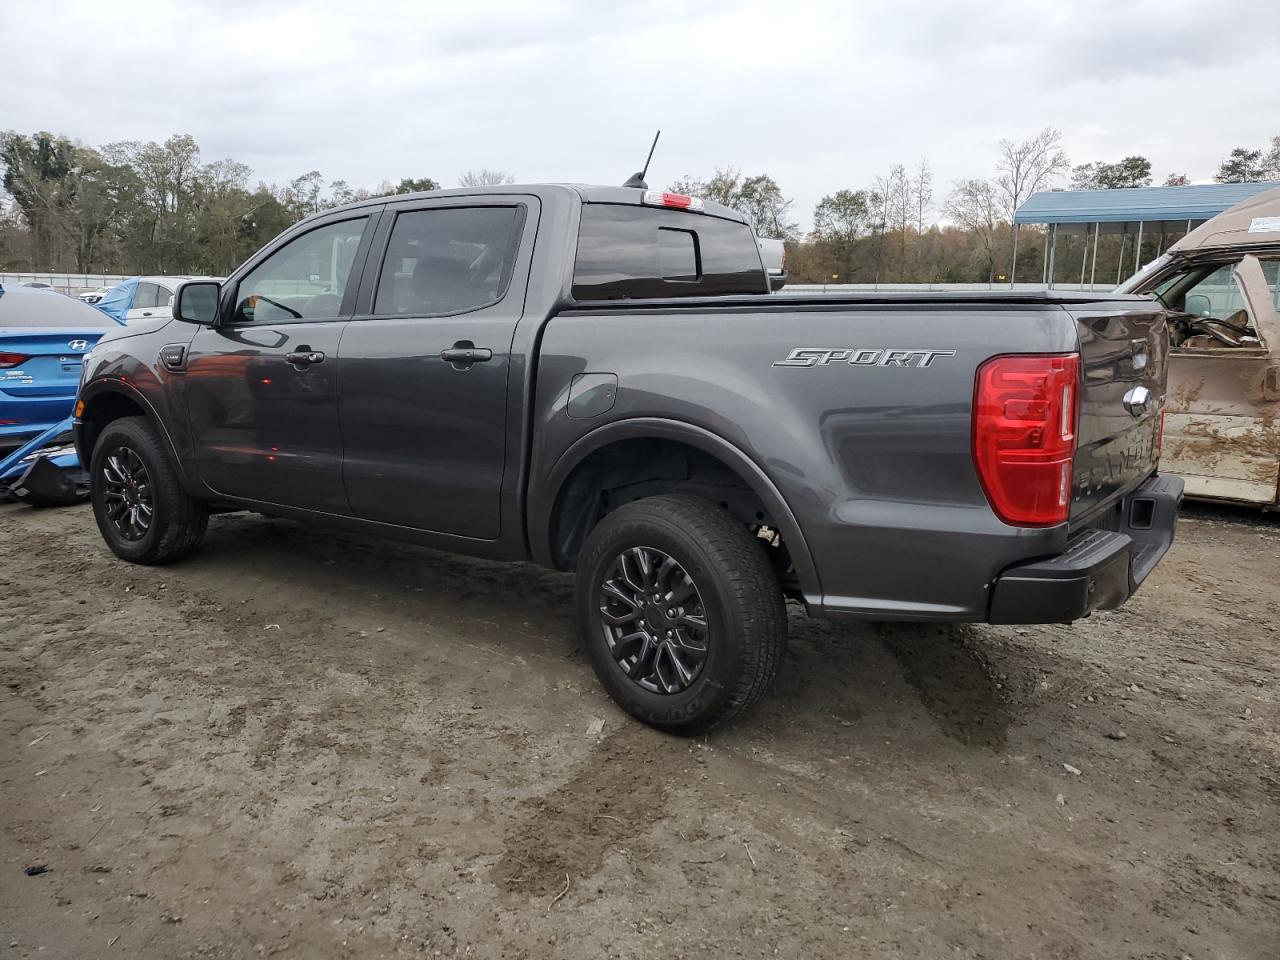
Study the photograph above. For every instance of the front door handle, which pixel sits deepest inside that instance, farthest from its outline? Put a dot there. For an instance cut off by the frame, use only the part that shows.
(304, 357)
(464, 353)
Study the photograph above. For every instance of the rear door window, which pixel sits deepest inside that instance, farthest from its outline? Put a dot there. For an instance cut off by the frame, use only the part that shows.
(634, 252)
(145, 297)
(448, 260)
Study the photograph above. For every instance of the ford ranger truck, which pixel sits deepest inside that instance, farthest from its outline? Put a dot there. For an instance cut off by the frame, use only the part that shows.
(597, 379)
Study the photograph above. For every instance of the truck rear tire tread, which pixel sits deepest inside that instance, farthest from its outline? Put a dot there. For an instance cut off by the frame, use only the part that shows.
(748, 597)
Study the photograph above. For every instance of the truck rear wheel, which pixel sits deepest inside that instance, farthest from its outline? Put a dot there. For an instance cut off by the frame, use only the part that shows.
(680, 613)
(143, 513)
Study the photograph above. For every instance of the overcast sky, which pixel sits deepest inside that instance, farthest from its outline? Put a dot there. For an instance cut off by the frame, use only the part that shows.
(822, 94)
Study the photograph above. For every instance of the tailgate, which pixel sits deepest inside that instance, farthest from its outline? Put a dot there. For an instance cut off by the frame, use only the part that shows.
(1123, 358)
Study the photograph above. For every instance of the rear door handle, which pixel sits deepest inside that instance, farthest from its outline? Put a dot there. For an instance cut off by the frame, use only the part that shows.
(304, 357)
(464, 353)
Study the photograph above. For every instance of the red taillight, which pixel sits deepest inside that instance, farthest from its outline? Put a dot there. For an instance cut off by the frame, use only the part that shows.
(1024, 435)
(660, 198)
(12, 359)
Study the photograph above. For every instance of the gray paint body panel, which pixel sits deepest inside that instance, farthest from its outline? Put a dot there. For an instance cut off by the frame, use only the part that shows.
(874, 461)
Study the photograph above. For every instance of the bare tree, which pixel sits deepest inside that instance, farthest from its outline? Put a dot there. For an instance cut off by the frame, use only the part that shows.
(484, 177)
(900, 210)
(880, 203)
(1272, 160)
(923, 193)
(1027, 167)
(977, 205)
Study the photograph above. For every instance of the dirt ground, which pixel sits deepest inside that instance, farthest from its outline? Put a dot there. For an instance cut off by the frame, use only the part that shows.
(305, 745)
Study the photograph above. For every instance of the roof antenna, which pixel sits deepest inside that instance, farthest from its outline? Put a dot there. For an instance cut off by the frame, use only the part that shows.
(637, 179)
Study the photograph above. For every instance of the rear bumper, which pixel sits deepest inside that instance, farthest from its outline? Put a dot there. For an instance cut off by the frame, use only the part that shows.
(1100, 568)
(29, 416)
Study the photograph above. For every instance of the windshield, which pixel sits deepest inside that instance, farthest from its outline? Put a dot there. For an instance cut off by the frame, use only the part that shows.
(1155, 266)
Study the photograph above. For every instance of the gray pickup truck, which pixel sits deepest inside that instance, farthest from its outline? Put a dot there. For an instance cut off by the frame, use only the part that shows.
(597, 379)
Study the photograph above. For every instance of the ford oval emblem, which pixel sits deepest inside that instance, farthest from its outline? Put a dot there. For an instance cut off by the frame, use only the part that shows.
(1137, 400)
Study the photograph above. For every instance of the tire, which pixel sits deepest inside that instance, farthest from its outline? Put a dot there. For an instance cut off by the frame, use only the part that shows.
(665, 670)
(131, 468)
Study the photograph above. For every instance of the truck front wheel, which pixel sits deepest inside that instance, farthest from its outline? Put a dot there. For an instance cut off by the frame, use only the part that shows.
(143, 513)
(680, 612)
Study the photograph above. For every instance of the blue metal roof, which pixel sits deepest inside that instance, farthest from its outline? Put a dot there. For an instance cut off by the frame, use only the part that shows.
(1131, 204)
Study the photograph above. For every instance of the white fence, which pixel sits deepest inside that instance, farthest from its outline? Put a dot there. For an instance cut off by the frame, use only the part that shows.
(69, 283)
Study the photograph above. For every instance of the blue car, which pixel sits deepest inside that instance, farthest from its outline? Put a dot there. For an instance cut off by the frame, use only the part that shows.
(43, 338)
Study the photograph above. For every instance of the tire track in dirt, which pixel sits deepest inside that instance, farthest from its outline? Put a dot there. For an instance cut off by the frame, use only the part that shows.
(568, 832)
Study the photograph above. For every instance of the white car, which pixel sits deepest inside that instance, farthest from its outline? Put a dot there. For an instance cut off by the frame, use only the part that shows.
(93, 296)
(153, 298)
(774, 254)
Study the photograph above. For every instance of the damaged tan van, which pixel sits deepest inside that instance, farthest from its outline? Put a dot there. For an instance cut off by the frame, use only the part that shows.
(1222, 415)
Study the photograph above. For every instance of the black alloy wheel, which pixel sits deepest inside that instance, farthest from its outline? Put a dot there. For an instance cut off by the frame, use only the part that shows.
(654, 620)
(142, 510)
(129, 502)
(679, 611)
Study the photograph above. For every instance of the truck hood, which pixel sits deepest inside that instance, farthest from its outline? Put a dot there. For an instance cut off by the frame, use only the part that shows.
(137, 328)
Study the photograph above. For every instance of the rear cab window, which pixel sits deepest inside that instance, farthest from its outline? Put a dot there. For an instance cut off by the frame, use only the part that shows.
(635, 252)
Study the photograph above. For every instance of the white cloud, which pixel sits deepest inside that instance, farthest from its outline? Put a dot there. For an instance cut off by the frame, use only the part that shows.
(823, 95)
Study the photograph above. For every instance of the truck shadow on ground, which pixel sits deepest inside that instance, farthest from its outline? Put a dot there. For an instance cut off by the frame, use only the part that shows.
(835, 674)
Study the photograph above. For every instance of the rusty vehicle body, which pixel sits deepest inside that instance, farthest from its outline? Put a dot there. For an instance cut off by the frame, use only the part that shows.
(1222, 419)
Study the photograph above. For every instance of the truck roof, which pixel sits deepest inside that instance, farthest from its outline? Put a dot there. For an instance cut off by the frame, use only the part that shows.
(1254, 222)
(586, 193)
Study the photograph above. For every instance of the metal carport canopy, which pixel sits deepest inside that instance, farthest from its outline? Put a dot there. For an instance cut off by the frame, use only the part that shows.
(1134, 204)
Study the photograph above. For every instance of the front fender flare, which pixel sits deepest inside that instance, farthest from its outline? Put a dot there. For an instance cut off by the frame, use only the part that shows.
(121, 387)
(544, 493)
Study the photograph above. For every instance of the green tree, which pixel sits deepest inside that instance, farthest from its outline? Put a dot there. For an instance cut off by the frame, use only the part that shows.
(840, 220)
(758, 198)
(41, 174)
(160, 219)
(421, 184)
(1134, 171)
(1242, 166)
(1177, 180)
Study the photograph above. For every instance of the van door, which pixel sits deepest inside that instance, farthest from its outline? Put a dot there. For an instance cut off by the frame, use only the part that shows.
(1222, 428)
(425, 368)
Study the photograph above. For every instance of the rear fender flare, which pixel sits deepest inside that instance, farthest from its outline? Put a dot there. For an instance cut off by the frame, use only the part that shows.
(547, 492)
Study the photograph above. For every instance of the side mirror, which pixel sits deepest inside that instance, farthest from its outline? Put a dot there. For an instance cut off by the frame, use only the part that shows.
(1197, 304)
(197, 302)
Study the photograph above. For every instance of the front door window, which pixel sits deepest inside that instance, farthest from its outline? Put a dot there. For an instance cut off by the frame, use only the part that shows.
(1217, 305)
(304, 280)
